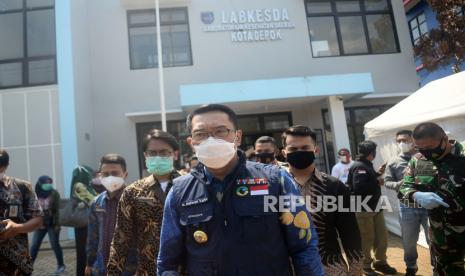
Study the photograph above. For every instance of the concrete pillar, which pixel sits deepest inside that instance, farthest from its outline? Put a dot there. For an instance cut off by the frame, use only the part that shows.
(338, 122)
(66, 90)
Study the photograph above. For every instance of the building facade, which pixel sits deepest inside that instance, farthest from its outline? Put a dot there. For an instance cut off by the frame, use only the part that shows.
(421, 19)
(332, 65)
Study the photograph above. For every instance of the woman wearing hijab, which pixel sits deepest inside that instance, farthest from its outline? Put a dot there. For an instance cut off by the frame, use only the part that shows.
(49, 200)
(82, 191)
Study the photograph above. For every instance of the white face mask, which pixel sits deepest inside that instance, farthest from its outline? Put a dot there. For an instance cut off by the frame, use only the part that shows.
(405, 147)
(112, 183)
(215, 153)
(2, 175)
(344, 158)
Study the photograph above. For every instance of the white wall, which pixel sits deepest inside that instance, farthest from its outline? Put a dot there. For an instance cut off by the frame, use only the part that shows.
(117, 90)
(82, 84)
(29, 132)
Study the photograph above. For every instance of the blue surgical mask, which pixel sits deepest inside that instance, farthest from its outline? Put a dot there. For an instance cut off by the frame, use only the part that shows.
(158, 165)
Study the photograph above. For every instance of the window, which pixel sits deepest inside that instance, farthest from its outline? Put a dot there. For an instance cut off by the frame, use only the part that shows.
(176, 128)
(249, 124)
(320, 160)
(27, 52)
(351, 27)
(263, 123)
(323, 36)
(276, 121)
(352, 35)
(356, 118)
(175, 38)
(418, 28)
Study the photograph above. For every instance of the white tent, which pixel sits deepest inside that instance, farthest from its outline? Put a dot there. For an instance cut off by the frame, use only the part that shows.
(441, 101)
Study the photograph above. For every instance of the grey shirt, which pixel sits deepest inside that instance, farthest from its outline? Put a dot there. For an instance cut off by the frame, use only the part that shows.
(394, 175)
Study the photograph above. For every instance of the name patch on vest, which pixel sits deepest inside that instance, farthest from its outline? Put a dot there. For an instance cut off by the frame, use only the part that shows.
(194, 202)
(425, 168)
(195, 216)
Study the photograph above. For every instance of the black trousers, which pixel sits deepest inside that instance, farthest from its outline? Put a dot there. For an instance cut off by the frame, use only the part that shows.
(80, 236)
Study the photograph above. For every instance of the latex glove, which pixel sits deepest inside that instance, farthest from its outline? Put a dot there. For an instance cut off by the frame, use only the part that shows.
(81, 205)
(429, 200)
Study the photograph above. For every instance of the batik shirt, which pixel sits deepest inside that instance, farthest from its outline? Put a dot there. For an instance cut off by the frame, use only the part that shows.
(102, 221)
(24, 208)
(332, 226)
(139, 219)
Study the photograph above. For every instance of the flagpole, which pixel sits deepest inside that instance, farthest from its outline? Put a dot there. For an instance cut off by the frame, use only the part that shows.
(161, 80)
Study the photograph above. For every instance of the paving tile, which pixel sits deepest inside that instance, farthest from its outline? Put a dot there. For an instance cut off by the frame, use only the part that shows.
(46, 262)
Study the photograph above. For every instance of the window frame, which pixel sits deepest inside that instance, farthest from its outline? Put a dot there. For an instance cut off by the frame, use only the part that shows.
(142, 129)
(362, 13)
(141, 25)
(352, 125)
(261, 120)
(26, 59)
(415, 41)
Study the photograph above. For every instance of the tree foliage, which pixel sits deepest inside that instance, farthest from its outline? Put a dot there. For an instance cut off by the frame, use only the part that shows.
(445, 44)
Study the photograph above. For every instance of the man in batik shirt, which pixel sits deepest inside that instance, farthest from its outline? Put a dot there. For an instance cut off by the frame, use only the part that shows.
(140, 210)
(300, 150)
(19, 214)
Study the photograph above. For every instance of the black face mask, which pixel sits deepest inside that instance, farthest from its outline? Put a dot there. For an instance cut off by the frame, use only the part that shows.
(265, 157)
(301, 159)
(433, 154)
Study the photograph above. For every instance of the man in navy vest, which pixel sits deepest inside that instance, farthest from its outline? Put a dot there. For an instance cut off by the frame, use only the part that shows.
(223, 217)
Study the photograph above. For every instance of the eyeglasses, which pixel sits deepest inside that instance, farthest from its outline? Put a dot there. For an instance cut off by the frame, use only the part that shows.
(220, 132)
(161, 153)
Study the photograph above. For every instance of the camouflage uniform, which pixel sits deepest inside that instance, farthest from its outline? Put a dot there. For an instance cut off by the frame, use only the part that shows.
(446, 178)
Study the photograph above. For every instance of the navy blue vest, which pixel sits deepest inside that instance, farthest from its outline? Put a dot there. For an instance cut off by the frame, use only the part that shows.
(243, 239)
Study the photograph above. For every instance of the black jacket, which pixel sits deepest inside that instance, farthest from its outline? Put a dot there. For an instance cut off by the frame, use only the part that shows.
(363, 182)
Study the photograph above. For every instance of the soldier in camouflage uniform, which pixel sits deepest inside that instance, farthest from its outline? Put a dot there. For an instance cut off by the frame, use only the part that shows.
(435, 178)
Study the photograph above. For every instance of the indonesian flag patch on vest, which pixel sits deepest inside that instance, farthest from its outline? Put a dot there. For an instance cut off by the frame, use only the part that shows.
(258, 190)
